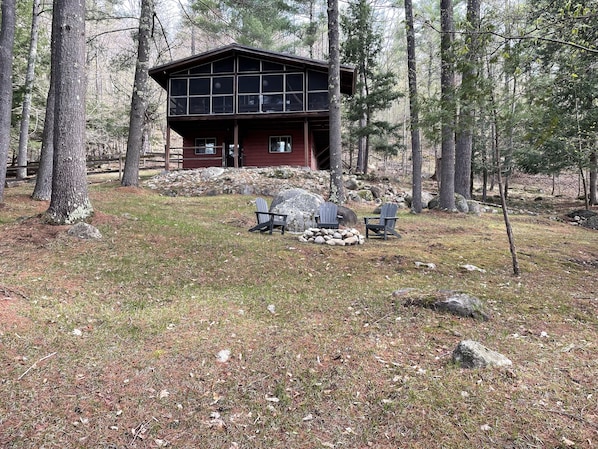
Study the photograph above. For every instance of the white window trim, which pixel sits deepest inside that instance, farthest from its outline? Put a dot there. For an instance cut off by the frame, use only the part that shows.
(275, 147)
(209, 143)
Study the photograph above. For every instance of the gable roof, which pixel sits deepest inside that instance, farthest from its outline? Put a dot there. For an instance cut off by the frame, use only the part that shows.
(163, 72)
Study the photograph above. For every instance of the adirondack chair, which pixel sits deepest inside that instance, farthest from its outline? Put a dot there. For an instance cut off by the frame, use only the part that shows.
(384, 225)
(328, 216)
(266, 220)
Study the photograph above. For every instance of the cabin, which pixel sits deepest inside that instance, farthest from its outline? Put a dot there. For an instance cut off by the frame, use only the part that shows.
(238, 106)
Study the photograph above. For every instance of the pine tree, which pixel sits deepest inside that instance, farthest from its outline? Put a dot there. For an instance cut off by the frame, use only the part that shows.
(375, 90)
(7, 33)
(70, 201)
(139, 97)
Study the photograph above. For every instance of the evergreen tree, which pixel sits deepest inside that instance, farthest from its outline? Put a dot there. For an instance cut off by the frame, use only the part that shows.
(70, 200)
(257, 23)
(375, 90)
(447, 85)
(416, 155)
(139, 97)
(563, 101)
(7, 32)
(337, 188)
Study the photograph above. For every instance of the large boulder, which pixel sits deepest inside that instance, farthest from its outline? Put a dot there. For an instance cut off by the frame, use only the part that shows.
(300, 207)
(347, 216)
(426, 198)
(461, 304)
(460, 203)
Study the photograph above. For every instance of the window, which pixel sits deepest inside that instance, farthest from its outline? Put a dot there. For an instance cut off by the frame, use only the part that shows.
(199, 86)
(294, 82)
(205, 145)
(272, 83)
(248, 64)
(178, 87)
(222, 85)
(280, 144)
(317, 80)
(317, 91)
(271, 67)
(199, 105)
(178, 106)
(224, 66)
(317, 101)
(249, 84)
(249, 103)
(222, 105)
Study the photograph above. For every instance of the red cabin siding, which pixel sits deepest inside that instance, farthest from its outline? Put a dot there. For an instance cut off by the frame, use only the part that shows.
(254, 144)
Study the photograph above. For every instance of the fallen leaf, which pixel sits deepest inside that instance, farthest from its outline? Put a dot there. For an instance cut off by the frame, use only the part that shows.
(163, 394)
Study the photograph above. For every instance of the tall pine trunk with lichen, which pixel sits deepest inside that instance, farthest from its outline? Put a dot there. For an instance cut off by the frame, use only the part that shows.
(337, 191)
(70, 199)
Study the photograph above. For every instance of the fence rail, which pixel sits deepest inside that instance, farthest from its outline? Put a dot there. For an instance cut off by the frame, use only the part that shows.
(105, 165)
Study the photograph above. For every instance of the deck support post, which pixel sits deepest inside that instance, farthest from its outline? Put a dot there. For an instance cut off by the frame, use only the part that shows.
(167, 149)
(236, 144)
(306, 142)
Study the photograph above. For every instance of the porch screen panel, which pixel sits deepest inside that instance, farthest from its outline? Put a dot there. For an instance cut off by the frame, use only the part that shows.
(178, 96)
(248, 87)
(317, 91)
(294, 92)
(222, 98)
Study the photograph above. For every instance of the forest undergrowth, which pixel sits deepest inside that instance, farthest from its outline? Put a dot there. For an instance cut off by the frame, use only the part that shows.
(181, 329)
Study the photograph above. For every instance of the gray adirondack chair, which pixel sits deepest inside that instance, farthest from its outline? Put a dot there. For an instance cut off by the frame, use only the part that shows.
(328, 216)
(266, 220)
(384, 225)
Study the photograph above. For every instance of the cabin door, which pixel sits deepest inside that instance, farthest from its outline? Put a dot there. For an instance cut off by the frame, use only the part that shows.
(230, 155)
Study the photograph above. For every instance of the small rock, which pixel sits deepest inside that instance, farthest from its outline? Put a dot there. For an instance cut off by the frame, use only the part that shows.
(85, 231)
(469, 267)
(429, 265)
(471, 354)
(223, 356)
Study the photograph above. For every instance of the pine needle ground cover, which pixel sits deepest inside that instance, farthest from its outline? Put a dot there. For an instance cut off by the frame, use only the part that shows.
(181, 329)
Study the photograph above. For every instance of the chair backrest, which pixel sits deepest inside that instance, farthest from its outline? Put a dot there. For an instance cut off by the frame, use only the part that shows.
(262, 206)
(328, 213)
(388, 210)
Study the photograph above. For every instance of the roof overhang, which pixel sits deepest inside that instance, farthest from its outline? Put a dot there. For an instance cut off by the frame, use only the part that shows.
(163, 72)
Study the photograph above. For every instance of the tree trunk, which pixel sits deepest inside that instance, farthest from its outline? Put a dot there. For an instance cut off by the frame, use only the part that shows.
(43, 180)
(416, 155)
(29, 79)
(139, 98)
(337, 191)
(7, 38)
(447, 84)
(70, 201)
(362, 162)
(593, 178)
(503, 198)
(469, 74)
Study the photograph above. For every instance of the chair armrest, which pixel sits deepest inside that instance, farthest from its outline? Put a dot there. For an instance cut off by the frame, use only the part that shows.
(367, 219)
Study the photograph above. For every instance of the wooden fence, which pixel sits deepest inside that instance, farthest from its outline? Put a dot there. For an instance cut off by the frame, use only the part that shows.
(150, 161)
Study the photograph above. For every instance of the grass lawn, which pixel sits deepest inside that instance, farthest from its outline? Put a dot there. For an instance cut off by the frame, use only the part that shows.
(123, 342)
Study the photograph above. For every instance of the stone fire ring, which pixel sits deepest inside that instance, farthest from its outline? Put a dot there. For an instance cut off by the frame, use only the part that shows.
(332, 237)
